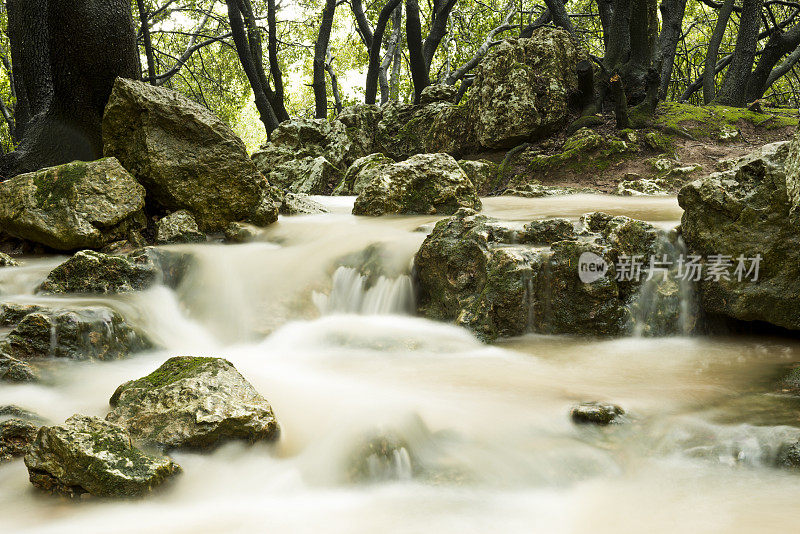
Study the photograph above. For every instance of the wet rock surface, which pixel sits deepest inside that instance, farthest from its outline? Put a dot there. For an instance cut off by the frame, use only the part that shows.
(178, 227)
(94, 272)
(195, 403)
(597, 413)
(89, 455)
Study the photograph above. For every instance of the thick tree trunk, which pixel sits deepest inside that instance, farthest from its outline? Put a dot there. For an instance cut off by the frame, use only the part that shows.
(734, 89)
(416, 57)
(560, 15)
(779, 45)
(274, 66)
(438, 29)
(63, 83)
(320, 55)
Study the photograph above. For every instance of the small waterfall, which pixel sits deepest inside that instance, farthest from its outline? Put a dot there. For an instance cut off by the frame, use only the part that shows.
(665, 304)
(351, 293)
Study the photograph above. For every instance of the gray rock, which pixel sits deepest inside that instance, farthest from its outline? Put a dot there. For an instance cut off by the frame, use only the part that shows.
(746, 211)
(481, 173)
(78, 333)
(94, 272)
(361, 173)
(178, 227)
(195, 403)
(73, 206)
(423, 184)
(241, 233)
(184, 155)
(438, 93)
(299, 204)
(89, 455)
(16, 436)
(522, 88)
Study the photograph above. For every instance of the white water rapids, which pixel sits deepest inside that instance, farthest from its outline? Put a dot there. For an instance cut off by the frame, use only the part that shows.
(488, 442)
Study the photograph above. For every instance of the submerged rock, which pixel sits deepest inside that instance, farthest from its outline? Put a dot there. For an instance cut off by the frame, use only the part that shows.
(522, 88)
(597, 413)
(14, 370)
(95, 272)
(184, 155)
(178, 227)
(744, 213)
(89, 455)
(78, 333)
(423, 184)
(196, 403)
(241, 233)
(73, 206)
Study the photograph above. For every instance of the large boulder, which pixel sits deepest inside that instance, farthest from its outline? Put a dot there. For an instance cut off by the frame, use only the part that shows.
(78, 333)
(195, 403)
(747, 212)
(184, 155)
(522, 88)
(89, 455)
(423, 184)
(73, 206)
(500, 280)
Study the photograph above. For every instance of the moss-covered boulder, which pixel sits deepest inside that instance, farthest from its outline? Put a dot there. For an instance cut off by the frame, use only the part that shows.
(178, 227)
(78, 333)
(361, 173)
(18, 430)
(438, 93)
(94, 272)
(361, 127)
(73, 206)
(717, 122)
(195, 403)
(748, 212)
(423, 184)
(89, 455)
(184, 155)
(499, 280)
(522, 88)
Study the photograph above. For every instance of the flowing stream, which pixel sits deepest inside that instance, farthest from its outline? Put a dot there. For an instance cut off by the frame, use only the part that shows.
(483, 434)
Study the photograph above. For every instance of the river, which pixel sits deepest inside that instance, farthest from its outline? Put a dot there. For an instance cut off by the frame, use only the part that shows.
(487, 441)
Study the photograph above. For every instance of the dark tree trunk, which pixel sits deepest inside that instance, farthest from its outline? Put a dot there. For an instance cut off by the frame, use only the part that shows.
(66, 55)
(371, 86)
(734, 89)
(560, 15)
(320, 55)
(416, 58)
(672, 12)
(364, 29)
(620, 102)
(605, 12)
(779, 45)
(274, 66)
(242, 43)
(709, 71)
(438, 29)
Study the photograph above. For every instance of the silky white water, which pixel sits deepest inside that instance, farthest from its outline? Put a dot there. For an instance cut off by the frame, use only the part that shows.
(489, 445)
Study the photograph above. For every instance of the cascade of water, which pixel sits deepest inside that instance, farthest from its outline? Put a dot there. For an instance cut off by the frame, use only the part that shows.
(665, 303)
(351, 294)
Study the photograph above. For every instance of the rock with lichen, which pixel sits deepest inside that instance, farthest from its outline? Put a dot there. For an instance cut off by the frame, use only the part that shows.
(192, 402)
(597, 413)
(89, 455)
(178, 227)
(423, 184)
(73, 206)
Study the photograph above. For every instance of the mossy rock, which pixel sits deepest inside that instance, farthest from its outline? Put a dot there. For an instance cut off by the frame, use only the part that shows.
(714, 121)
